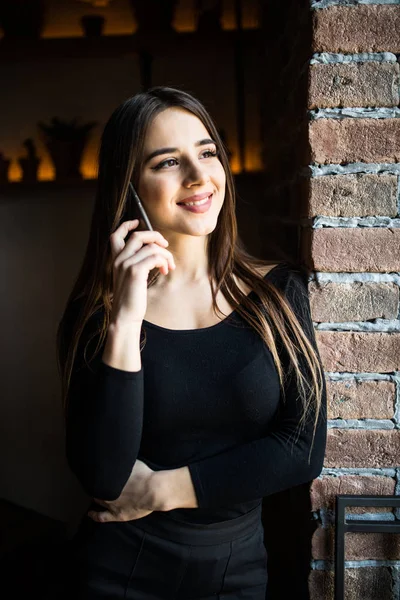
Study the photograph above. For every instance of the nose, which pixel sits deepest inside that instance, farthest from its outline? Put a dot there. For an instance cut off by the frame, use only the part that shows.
(195, 174)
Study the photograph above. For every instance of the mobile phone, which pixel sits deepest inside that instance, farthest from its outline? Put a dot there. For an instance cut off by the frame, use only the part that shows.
(140, 207)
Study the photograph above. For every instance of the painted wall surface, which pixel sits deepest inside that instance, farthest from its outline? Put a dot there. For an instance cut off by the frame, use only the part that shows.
(44, 228)
(42, 240)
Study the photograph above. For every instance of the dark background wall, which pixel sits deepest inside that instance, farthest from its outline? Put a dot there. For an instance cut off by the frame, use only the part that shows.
(252, 78)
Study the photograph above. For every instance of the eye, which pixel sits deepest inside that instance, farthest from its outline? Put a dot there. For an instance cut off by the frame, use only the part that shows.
(165, 163)
(209, 153)
(171, 162)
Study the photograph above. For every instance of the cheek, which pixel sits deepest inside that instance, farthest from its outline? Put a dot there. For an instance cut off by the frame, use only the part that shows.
(152, 189)
(219, 175)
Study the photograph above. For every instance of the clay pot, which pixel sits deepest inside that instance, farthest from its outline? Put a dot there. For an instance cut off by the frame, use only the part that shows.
(93, 25)
(154, 15)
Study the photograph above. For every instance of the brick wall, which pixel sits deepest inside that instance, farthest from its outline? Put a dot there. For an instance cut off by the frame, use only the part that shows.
(351, 240)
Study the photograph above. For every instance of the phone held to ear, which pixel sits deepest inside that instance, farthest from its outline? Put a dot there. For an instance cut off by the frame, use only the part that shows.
(140, 207)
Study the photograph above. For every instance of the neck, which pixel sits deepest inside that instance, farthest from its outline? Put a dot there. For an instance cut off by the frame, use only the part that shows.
(190, 255)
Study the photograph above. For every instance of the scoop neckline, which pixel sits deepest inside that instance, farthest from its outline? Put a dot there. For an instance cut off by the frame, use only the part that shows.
(203, 329)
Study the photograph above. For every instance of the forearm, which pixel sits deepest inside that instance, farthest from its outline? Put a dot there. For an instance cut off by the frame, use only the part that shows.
(104, 428)
(105, 398)
(174, 489)
(122, 348)
(104, 425)
(259, 468)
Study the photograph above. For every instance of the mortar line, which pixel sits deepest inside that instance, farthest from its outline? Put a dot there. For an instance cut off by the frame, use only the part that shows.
(356, 112)
(321, 4)
(319, 170)
(338, 58)
(321, 222)
(328, 565)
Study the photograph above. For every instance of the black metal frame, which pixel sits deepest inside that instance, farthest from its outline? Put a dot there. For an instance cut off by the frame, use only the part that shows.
(343, 526)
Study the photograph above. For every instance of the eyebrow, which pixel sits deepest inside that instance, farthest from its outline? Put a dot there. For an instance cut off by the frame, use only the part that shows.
(169, 150)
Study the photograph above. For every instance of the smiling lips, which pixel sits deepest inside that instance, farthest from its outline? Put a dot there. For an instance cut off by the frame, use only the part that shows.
(196, 198)
(200, 203)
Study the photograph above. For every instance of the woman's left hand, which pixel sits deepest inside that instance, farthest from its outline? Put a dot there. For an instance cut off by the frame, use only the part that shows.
(138, 498)
(147, 490)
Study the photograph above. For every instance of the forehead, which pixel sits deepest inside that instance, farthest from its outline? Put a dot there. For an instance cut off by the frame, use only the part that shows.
(174, 126)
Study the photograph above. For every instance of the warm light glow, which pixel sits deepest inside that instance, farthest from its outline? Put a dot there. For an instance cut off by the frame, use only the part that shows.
(250, 15)
(253, 160)
(95, 3)
(185, 17)
(63, 23)
(235, 165)
(89, 164)
(76, 31)
(228, 20)
(46, 171)
(14, 172)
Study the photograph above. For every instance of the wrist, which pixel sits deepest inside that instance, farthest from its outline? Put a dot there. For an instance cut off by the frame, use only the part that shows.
(174, 489)
(122, 347)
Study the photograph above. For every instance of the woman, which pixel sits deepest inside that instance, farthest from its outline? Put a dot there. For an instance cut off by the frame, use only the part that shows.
(192, 382)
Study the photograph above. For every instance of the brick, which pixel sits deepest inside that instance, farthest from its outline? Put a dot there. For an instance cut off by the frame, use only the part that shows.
(351, 140)
(361, 399)
(357, 29)
(359, 352)
(367, 84)
(368, 583)
(321, 585)
(363, 448)
(359, 546)
(353, 196)
(358, 301)
(325, 489)
(352, 250)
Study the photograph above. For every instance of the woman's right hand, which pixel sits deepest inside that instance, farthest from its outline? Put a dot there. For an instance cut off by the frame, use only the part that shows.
(132, 261)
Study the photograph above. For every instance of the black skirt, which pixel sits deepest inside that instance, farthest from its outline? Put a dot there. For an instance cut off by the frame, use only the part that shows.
(160, 558)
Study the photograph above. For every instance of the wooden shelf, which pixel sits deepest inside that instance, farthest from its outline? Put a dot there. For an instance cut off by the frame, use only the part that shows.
(19, 188)
(52, 49)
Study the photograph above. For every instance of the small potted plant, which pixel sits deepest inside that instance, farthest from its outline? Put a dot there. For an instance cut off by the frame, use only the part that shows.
(209, 15)
(65, 142)
(93, 25)
(154, 15)
(30, 163)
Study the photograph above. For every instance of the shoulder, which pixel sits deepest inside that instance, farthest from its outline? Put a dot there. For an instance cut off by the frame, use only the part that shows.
(291, 279)
(287, 273)
(265, 268)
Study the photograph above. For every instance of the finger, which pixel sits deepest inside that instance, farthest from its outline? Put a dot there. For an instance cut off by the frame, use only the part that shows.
(137, 240)
(147, 251)
(101, 502)
(102, 517)
(142, 268)
(117, 238)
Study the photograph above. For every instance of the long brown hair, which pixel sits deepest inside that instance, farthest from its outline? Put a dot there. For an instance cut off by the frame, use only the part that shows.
(120, 158)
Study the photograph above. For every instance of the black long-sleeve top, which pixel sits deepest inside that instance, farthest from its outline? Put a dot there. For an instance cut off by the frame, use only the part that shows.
(206, 398)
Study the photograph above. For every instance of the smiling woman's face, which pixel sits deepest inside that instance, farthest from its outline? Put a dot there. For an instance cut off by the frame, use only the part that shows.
(181, 161)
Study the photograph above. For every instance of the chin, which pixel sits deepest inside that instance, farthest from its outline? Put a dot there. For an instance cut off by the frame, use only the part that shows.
(200, 229)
